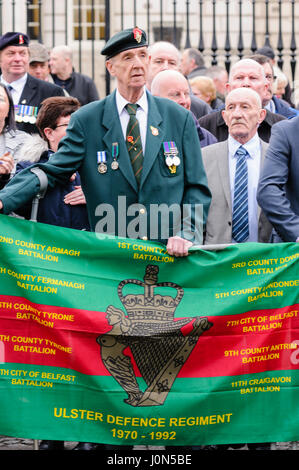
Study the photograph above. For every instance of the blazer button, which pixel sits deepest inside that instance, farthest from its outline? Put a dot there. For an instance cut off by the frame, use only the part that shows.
(144, 238)
(229, 223)
(142, 211)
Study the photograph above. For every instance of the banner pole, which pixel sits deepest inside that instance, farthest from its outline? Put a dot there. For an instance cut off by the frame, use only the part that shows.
(212, 247)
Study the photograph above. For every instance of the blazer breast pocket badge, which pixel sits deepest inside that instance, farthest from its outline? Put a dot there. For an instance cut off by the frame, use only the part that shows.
(172, 159)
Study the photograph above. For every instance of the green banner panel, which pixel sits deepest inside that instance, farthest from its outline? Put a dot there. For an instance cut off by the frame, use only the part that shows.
(114, 341)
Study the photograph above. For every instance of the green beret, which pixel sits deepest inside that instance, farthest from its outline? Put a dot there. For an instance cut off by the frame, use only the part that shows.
(124, 40)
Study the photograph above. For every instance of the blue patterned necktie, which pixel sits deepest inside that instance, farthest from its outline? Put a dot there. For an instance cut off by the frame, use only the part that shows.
(240, 231)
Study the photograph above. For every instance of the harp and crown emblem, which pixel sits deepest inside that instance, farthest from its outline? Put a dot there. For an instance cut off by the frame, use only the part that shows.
(154, 336)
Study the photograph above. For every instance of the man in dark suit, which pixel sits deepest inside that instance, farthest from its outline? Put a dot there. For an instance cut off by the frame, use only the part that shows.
(27, 92)
(244, 73)
(278, 190)
(170, 172)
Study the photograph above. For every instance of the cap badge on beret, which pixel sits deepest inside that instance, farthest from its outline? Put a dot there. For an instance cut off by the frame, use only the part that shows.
(137, 34)
(21, 39)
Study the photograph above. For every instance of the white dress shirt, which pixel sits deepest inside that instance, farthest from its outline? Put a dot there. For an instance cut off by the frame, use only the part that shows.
(141, 115)
(253, 147)
(17, 87)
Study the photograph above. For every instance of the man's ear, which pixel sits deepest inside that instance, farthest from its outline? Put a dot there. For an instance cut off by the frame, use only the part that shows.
(263, 113)
(224, 115)
(109, 67)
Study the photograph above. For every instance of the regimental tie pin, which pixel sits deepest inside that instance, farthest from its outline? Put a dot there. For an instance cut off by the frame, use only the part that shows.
(154, 130)
(131, 141)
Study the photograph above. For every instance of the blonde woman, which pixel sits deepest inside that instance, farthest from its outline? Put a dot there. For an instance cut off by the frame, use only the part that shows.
(204, 88)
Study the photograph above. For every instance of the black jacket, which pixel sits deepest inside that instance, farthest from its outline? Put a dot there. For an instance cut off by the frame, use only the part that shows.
(81, 87)
(52, 209)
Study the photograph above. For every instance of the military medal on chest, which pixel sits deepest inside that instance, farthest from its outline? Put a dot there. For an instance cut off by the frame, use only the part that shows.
(26, 113)
(114, 164)
(102, 159)
(172, 159)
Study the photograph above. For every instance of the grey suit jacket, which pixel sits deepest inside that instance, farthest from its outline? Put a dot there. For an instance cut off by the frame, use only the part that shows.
(219, 222)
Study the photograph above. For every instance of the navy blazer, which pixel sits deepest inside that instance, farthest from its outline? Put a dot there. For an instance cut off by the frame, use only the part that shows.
(283, 108)
(278, 190)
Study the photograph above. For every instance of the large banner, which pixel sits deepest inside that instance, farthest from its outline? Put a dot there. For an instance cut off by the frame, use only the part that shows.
(115, 341)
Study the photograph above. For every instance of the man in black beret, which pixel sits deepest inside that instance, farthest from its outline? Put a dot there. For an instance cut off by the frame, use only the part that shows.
(27, 91)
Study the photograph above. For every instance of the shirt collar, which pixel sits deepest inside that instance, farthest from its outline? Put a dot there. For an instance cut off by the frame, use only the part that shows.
(17, 84)
(251, 146)
(121, 102)
(270, 106)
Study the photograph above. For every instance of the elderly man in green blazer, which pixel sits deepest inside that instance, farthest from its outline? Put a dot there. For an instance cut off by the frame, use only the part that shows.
(129, 178)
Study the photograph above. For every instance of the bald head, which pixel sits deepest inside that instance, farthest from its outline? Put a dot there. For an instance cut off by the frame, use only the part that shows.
(243, 113)
(248, 73)
(173, 85)
(61, 58)
(245, 94)
(162, 56)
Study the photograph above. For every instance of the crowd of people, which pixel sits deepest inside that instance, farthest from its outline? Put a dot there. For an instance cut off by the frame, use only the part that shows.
(173, 131)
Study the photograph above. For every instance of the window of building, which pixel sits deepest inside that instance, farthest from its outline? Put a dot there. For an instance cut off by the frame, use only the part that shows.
(33, 19)
(89, 19)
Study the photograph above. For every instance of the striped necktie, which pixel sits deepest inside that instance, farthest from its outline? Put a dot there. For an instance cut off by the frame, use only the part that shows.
(240, 230)
(133, 141)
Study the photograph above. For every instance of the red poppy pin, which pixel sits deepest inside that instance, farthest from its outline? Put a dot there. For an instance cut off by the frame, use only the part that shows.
(137, 34)
(130, 139)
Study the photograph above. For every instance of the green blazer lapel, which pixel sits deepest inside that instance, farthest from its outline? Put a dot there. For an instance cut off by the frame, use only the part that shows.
(154, 137)
(114, 134)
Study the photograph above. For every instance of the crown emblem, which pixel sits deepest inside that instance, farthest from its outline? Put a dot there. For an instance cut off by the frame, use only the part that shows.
(150, 312)
(154, 336)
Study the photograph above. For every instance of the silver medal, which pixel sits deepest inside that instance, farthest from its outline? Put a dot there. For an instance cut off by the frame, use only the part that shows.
(114, 165)
(176, 161)
(169, 161)
(102, 168)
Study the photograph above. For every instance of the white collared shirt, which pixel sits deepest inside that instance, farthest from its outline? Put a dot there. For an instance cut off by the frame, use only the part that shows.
(17, 87)
(253, 147)
(141, 115)
(270, 106)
